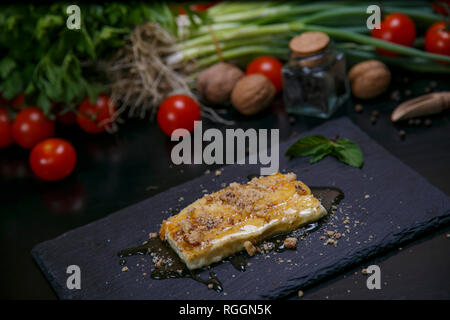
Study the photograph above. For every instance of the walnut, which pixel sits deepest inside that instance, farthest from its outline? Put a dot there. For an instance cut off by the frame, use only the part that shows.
(290, 243)
(369, 79)
(216, 83)
(185, 225)
(194, 237)
(252, 94)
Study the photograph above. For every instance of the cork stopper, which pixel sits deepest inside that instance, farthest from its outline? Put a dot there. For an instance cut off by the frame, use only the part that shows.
(309, 43)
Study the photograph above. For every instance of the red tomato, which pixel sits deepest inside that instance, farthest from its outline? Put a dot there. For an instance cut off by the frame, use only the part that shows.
(437, 39)
(32, 126)
(397, 28)
(268, 66)
(198, 7)
(94, 118)
(53, 159)
(6, 138)
(176, 112)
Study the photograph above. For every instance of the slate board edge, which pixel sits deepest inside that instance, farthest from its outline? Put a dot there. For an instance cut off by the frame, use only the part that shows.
(48, 275)
(62, 293)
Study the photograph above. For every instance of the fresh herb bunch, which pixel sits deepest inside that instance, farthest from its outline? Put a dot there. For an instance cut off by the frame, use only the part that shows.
(43, 58)
(318, 147)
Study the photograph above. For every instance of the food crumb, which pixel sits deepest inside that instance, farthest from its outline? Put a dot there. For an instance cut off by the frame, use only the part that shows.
(152, 235)
(364, 271)
(210, 286)
(366, 196)
(300, 293)
(290, 243)
(125, 269)
(218, 172)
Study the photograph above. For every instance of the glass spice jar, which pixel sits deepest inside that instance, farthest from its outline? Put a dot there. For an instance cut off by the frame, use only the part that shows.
(314, 79)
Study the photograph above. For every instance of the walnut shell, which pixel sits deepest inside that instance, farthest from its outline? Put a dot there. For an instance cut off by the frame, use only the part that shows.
(369, 79)
(252, 94)
(216, 83)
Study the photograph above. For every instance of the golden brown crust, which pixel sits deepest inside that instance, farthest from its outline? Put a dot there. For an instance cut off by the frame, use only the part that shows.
(235, 212)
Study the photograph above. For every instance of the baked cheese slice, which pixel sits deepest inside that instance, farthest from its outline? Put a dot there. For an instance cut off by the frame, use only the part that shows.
(218, 224)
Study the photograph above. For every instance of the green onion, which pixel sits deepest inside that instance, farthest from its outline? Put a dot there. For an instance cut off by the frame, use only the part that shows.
(243, 29)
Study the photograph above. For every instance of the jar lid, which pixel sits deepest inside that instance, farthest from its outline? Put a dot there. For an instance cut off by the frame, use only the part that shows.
(309, 43)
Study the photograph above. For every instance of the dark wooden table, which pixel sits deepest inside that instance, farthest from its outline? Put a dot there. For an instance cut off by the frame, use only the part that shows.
(114, 171)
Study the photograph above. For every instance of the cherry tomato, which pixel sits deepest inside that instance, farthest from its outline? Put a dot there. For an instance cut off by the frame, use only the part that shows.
(268, 66)
(437, 39)
(176, 112)
(397, 28)
(94, 118)
(198, 7)
(32, 126)
(53, 159)
(6, 138)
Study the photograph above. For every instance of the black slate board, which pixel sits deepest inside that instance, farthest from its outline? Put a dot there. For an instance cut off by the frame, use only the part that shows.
(386, 204)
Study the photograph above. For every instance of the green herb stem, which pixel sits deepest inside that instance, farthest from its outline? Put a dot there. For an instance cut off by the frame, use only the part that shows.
(242, 52)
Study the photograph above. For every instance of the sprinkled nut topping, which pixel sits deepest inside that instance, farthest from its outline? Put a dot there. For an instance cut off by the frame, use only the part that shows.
(290, 243)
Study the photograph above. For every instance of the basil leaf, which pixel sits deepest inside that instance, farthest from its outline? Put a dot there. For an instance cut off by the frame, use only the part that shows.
(320, 155)
(308, 146)
(350, 154)
(318, 147)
